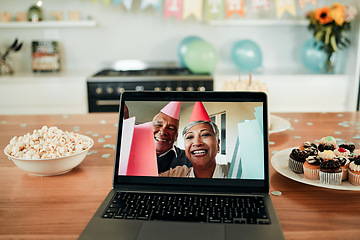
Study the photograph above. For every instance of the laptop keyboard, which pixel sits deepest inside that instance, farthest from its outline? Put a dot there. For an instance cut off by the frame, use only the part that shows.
(189, 208)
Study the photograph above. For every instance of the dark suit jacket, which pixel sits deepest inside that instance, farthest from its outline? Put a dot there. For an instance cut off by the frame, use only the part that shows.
(170, 160)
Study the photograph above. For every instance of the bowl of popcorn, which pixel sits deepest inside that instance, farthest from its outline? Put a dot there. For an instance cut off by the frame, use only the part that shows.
(48, 151)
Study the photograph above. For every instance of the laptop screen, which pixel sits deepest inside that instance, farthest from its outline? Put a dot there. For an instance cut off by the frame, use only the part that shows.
(201, 139)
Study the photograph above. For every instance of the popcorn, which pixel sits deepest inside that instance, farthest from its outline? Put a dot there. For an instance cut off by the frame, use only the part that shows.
(47, 143)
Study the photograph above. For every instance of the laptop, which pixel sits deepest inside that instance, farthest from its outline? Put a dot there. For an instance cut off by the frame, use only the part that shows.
(233, 203)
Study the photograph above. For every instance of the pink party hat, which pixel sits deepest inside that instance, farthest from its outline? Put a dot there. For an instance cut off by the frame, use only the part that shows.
(199, 113)
(172, 109)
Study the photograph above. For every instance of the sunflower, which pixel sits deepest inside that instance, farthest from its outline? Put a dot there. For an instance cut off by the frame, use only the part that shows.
(337, 12)
(322, 15)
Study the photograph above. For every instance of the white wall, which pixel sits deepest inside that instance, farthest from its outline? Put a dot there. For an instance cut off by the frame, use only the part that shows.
(144, 34)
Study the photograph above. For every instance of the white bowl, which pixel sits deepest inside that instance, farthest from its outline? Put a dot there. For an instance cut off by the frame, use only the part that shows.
(51, 166)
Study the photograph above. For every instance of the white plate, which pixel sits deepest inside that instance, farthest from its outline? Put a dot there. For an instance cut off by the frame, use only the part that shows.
(278, 124)
(280, 162)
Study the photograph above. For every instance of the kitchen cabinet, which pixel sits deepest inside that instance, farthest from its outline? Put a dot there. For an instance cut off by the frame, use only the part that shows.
(43, 93)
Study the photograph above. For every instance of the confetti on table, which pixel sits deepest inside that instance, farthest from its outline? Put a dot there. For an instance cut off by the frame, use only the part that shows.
(3, 122)
(102, 122)
(76, 128)
(95, 135)
(101, 140)
(291, 128)
(23, 125)
(357, 137)
(297, 137)
(91, 152)
(274, 152)
(296, 120)
(106, 155)
(309, 123)
(116, 125)
(89, 133)
(337, 132)
(65, 116)
(340, 115)
(276, 193)
(107, 136)
(271, 143)
(109, 146)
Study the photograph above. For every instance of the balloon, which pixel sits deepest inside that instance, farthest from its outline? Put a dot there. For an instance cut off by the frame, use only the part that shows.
(200, 57)
(313, 56)
(247, 55)
(183, 47)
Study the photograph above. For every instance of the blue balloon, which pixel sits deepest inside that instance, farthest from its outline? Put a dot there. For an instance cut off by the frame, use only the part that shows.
(247, 55)
(313, 56)
(182, 49)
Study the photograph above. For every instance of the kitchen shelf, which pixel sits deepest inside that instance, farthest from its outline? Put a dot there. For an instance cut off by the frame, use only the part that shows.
(259, 22)
(50, 24)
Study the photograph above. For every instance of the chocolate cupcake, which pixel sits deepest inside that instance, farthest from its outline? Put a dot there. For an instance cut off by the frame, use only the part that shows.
(354, 157)
(330, 172)
(296, 160)
(348, 146)
(344, 165)
(326, 146)
(312, 151)
(307, 145)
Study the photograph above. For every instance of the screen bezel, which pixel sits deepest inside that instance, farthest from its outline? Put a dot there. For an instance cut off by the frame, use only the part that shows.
(197, 184)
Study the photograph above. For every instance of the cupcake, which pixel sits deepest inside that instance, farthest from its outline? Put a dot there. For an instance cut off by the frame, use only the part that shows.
(330, 172)
(353, 157)
(348, 146)
(311, 167)
(341, 152)
(296, 160)
(306, 145)
(327, 155)
(344, 165)
(312, 151)
(354, 172)
(326, 146)
(328, 139)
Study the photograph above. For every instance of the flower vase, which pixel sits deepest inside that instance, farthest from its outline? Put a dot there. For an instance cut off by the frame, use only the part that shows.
(329, 65)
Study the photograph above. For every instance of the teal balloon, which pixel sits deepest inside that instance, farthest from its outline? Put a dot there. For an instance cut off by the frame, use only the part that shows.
(200, 57)
(247, 55)
(313, 56)
(182, 48)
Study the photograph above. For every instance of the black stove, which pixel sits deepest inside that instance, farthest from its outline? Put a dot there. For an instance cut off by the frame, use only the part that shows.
(105, 86)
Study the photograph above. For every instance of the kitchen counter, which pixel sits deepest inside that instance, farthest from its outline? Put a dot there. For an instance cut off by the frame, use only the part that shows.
(59, 207)
(44, 93)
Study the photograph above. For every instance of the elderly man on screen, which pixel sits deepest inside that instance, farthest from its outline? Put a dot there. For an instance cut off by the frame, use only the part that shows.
(165, 126)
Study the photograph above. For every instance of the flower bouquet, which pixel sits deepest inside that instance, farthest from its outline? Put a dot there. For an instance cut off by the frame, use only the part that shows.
(328, 25)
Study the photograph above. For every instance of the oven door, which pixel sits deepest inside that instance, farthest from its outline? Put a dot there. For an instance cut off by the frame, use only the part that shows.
(102, 97)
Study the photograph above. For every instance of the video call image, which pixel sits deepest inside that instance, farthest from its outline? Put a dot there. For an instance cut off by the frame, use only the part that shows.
(193, 140)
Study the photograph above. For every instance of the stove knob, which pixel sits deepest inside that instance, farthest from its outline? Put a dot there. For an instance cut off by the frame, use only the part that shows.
(168, 89)
(99, 90)
(110, 90)
(190, 89)
(139, 88)
(179, 89)
(157, 89)
(202, 89)
(120, 89)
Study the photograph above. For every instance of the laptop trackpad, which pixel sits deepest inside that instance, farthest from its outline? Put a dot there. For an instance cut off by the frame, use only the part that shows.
(159, 230)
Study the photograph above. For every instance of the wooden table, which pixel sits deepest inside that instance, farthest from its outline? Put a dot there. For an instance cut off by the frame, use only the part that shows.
(59, 207)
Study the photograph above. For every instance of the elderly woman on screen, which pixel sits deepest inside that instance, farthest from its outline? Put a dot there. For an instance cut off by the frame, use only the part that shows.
(201, 139)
